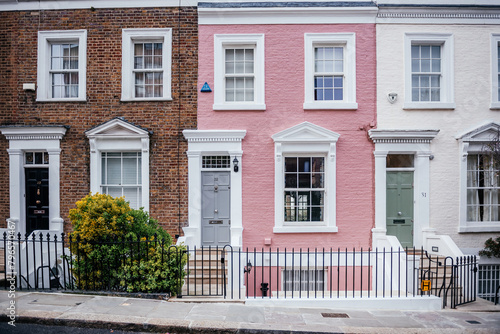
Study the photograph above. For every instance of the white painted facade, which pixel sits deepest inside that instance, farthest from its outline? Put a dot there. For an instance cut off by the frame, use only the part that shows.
(470, 105)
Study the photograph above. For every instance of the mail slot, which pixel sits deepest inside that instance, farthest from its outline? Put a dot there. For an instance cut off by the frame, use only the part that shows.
(215, 222)
(38, 212)
(398, 221)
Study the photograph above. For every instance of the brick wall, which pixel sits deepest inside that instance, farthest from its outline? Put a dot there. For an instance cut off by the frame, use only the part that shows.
(168, 162)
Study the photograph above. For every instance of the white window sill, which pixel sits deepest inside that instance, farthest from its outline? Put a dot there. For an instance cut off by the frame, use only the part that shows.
(479, 227)
(430, 105)
(239, 106)
(330, 105)
(305, 229)
(145, 99)
(495, 105)
(62, 100)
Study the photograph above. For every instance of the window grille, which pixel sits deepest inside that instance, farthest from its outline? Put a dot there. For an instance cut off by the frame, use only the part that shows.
(216, 161)
(303, 280)
(488, 281)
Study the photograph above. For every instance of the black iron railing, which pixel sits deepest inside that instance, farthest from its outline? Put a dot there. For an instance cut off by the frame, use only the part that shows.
(114, 264)
(64, 263)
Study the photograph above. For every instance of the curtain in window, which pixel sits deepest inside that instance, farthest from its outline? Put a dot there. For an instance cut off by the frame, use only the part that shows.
(483, 189)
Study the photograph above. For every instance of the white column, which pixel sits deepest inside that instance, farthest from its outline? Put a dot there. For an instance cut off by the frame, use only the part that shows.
(55, 220)
(192, 232)
(145, 172)
(422, 193)
(94, 166)
(236, 201)
(380, 190)
(16, 189)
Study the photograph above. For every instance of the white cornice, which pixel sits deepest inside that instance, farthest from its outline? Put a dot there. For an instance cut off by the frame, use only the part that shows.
(82, 4)
(34, 133)
(402, 136)
(287, 15)
(211, 136)
(439, 15)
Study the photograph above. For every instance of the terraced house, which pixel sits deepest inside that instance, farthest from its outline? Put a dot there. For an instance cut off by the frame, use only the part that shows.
(94, 97)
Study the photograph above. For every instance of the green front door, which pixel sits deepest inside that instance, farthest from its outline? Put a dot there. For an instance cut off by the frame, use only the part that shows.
(400, 206)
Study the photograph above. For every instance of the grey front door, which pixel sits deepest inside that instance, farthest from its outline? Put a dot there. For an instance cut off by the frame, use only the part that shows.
(215, 225)
(400, 206)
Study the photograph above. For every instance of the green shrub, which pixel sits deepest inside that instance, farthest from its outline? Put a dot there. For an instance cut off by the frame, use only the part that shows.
(117, 248)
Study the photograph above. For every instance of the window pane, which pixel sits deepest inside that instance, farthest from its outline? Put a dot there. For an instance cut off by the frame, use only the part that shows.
(400, 160)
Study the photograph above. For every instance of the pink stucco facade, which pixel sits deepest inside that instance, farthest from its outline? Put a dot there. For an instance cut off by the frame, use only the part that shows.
(284, 98)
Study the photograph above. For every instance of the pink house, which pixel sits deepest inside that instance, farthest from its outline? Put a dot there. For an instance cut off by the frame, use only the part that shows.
(281, 157)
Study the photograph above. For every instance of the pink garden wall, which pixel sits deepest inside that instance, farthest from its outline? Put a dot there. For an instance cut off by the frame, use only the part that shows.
(284, 98)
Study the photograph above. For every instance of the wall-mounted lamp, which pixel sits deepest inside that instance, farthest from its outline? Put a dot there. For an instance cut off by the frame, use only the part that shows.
(248, 267)
(431, 157)
(392, 97)
(235, 165)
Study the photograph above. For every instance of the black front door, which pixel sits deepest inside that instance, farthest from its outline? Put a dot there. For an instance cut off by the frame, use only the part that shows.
(37, 199)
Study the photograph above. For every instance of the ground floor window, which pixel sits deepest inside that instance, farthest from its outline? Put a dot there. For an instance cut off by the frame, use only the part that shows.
(488, 281)
(303, 280)
(121, 176)
(304, 189)
(483, 188)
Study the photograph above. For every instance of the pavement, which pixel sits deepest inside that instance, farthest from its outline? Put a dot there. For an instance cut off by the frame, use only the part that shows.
(215, 316)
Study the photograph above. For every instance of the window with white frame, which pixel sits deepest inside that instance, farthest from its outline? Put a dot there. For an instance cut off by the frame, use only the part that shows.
(479, 180)
(483, 188)
(121, 176)
(305, 180)
(119, 161)
(495, 64)
(330, 71)
(146, 64)
(429, 71)
(239, 72)
(62, 61)
(304, 189)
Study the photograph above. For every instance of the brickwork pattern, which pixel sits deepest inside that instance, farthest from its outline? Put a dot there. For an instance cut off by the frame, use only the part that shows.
(167, 119)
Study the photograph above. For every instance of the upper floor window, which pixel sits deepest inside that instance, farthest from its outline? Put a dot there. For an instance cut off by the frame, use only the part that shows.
(239, 72)
(146, 64)
(495, 65)
(429, 71)
(62, 65)
(330, 71)
(425, 73)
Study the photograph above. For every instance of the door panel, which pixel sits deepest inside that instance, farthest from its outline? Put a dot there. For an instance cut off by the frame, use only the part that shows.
(37, 199)
(400, 206)
(215, 203)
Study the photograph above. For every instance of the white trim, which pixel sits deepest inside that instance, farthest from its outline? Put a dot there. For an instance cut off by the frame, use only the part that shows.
(118, 136)
(84, 4)
(221, 42)
(348, 41)
(45, 38)
(306, 138)
(495, 71)
(287, 15)
(415, 142)
(213, 142)
(447, 70)
(129, 36)
(472, 141)
(40, 138)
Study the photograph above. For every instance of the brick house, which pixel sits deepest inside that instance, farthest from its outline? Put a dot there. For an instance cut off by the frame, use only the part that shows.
(94, 98)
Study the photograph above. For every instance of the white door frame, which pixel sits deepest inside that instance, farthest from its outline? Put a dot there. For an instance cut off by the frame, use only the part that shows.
(35, 138)
(415, 142)
(213, 142)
